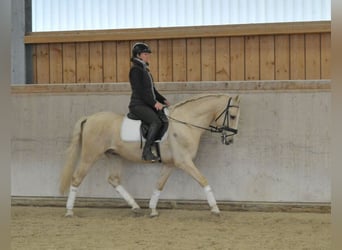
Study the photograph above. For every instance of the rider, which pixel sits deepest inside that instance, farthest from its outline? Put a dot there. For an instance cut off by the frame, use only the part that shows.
(145, 101)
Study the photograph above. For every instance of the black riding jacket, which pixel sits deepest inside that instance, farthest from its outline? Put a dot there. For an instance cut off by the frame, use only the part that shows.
(143, 89)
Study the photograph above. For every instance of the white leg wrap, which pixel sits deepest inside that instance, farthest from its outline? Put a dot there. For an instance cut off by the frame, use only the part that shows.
(128, 198)
(210, 196)
(154, 199)
(71, 198)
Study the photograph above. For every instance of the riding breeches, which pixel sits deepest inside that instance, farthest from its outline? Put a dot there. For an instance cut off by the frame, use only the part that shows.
(147, 115)
(155, 119)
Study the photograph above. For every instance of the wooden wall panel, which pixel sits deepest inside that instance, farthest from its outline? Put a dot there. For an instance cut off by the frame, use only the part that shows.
(325, 56)
(165, 70)
(282, 57)
(69, 63)
(252, 58)
(237, 58)
(82, 66)
(34, 64)
(297, 57)
(222, 59)
(123, 52)
(179, 60)
(109, 62)
(208, 59)
(43, 63)
(56, 63)
(193, 58)
(312, 56)
(96, 62)
(266, 57)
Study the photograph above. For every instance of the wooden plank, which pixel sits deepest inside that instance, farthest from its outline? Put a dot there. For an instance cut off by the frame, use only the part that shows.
(193, 54)
(82, 59)
(222, 59)
(252, 51)
(69, 63)
(165, 60)
(56, 63)
(96, 62)
(34, 63)
(297, 57)
(179, 60)
(123, 51)
(282, 57)
(267, 58)
(208, 59)
(109, 62)
(179, 32)
(43, 64)
(325, 56)
(313, 56)
(237, 58)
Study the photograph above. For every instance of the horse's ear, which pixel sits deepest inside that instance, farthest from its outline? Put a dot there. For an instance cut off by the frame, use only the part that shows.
(237, 99)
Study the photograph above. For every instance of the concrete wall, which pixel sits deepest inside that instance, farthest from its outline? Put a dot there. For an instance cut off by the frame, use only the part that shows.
(282, 152)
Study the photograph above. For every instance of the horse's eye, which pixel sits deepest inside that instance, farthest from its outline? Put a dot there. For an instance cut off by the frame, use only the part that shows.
(232, 117)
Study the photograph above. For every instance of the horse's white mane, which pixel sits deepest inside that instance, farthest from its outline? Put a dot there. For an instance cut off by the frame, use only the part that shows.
(195, 98)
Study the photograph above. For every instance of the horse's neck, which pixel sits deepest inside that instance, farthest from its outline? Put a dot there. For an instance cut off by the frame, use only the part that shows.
(200, 112)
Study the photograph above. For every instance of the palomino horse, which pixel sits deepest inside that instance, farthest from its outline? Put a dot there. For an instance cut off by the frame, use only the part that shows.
(99, 134)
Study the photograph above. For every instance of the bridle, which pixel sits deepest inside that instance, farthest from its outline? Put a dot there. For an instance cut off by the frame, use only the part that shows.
(225, 130)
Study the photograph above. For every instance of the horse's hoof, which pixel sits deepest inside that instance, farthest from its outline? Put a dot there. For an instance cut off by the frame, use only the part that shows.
(154, 213)
(137, 211)
(215, 211)
(69, 214)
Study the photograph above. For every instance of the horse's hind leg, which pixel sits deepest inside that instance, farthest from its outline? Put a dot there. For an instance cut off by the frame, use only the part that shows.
(164, 176)
(115, 180)
(77, 178)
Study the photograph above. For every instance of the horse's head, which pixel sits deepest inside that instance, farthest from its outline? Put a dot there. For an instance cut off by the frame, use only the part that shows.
(227, 121)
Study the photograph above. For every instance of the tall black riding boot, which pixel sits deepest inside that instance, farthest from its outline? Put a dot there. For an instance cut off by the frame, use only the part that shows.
(147, 154)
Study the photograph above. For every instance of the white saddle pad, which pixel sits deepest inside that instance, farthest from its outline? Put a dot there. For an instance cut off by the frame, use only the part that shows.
(130, 130)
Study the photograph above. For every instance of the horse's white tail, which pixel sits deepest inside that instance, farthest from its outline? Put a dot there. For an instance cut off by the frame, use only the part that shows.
(72, 156)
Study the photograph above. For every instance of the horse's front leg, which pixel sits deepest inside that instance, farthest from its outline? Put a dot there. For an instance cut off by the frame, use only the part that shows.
(115, 180)
(189, 167)
(165, 174)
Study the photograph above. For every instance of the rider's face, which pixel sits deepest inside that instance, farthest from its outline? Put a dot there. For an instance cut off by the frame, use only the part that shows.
(145, 57)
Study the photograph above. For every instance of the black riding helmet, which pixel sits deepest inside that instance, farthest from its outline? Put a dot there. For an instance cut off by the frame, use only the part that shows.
(139, 48)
